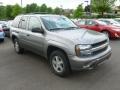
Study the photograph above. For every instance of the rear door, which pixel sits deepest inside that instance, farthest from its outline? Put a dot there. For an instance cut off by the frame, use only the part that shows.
(23, 31)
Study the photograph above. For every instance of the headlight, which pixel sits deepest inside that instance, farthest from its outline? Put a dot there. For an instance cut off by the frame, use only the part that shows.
(81, 48)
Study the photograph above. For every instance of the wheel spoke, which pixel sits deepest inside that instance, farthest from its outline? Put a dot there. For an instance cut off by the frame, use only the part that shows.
(54, 62)
(60, 68)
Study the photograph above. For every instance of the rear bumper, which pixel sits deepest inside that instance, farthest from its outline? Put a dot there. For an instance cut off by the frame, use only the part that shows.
(78, 63)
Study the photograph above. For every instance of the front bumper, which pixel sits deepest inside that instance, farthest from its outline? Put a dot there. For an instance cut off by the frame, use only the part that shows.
(78, 63)
(115, 34)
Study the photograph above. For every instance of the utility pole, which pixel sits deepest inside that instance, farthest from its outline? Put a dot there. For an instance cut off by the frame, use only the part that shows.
(61, 6)
(1, 3)
(90, 7)
(21, 3)
(86, 2)
(87, 12)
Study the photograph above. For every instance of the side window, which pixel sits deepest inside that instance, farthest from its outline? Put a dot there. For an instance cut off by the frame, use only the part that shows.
(23, 22)
(82, 22)
(34, 23)
(16, 21)
(90, 22)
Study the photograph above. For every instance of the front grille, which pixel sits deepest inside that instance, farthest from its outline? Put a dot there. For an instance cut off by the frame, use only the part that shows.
(96, 49)
(99, 44)
(100, 51)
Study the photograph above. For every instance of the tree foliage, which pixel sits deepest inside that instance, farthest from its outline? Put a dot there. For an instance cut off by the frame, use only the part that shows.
(2, 12)
(78, 12)
(16, 10)
(57, 10)
(9, 11)
(99, 6)
(102, 6)
(43, 8)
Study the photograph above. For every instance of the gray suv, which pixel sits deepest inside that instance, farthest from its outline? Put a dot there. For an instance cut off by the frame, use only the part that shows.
(60, 41)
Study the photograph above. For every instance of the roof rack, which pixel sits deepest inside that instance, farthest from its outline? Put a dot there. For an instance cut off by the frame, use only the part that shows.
(38, 13)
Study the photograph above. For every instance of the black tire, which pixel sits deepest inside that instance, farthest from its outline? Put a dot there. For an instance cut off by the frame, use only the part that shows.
(17, 47)
(2, 40)
(65, 63)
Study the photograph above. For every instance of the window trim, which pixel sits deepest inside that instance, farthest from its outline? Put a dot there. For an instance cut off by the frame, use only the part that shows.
(26, 21)
(18, 17)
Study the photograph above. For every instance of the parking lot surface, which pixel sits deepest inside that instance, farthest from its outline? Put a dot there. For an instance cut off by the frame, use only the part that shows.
(31, 72)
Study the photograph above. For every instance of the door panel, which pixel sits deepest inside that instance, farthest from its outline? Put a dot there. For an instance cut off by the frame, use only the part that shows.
(36, 41)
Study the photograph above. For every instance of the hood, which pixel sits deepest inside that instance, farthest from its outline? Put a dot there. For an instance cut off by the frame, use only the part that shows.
(81, 36)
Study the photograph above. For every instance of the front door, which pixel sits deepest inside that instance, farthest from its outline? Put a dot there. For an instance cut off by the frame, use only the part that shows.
(36, 40)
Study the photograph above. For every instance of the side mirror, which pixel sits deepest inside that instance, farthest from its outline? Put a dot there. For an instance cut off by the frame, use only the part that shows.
(37, 30)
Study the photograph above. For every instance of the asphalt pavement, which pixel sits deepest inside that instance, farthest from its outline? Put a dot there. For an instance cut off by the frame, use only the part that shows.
(31, 72)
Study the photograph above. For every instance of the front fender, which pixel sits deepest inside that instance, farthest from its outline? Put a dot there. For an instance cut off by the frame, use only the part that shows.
(69, 49)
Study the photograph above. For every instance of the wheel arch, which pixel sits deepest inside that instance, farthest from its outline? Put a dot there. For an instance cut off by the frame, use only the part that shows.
(13, 38)
(106, 31)
(52, 48)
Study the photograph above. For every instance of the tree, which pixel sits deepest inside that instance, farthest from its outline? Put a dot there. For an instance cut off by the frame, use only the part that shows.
(102, 6)
(49, 10)
(27, 8)
(43, 8)
(78, 12)
(57, 10)
(2, 12)
(9, 12)
(16, 10)
(32, 8)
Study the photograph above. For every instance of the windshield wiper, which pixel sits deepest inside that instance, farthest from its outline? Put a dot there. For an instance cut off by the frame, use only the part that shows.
(57, 28)
(72, 28)
(65, 28)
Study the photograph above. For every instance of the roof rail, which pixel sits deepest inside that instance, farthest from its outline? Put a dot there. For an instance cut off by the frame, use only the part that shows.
(38, 13)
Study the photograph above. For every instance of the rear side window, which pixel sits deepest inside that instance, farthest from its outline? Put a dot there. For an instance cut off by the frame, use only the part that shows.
(23, 22)
(16, 21)
(90, 22)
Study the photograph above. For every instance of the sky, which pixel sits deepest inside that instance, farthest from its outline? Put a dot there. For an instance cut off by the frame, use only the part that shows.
(71, 4)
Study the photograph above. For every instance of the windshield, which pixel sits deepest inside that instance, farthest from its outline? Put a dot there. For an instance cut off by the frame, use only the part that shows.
(102, 23)
(57, 22)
